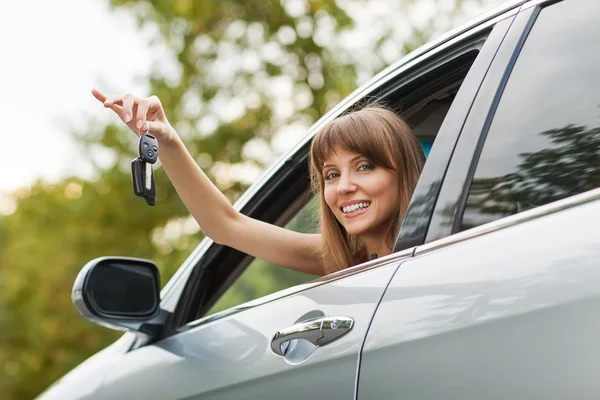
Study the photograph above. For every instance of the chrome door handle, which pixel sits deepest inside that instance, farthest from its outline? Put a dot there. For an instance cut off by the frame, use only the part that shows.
(318, 331)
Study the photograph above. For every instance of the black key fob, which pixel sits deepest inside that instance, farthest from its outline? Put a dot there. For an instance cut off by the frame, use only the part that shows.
(141, 168)
(143, 180)
(148, 148)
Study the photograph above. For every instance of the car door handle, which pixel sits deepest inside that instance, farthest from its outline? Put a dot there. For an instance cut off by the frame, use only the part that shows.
(318, 331)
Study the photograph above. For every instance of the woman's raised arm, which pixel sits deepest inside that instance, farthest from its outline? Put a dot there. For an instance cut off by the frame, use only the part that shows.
(209, 207)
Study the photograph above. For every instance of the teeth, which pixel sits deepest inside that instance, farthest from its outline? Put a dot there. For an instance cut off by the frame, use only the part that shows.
(354, 207)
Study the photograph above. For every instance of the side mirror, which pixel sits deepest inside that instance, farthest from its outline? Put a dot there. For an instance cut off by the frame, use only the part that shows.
(120, 293)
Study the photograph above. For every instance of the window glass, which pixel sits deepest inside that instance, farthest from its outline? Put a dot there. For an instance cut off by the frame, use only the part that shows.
(261, 278)
(544, 141)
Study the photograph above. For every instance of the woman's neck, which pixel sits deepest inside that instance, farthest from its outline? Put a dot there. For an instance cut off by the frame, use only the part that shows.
(376, 248)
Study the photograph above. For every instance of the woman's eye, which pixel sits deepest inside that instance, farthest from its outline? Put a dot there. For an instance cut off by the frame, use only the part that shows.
(331, 175)
(365, 167)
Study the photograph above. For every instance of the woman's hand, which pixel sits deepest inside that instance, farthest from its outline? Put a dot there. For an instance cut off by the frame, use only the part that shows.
(141, 115)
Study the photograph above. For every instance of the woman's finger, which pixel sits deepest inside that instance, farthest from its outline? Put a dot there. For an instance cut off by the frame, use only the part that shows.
(142, 112)
(118, 110)
(107, 100)
(99, 95)
(128, 102)
(110, 100)
(148, 127)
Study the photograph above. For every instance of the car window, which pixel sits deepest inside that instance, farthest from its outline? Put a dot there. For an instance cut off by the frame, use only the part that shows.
(543, 143)
(261, 278)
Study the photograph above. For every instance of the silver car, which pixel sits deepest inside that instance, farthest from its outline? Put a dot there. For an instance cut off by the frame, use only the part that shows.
(494, 284)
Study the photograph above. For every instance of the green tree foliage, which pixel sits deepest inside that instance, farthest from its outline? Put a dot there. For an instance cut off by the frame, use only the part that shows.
(241, 82)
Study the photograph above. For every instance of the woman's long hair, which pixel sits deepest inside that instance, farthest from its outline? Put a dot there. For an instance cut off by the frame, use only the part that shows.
(386, 140)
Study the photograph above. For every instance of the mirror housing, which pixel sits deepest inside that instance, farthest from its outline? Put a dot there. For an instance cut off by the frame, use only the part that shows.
(120, 293)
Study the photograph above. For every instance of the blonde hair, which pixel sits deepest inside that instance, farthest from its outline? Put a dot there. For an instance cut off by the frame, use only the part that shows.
(386, 140)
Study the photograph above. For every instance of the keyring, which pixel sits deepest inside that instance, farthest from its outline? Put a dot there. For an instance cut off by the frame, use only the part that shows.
(147, 130)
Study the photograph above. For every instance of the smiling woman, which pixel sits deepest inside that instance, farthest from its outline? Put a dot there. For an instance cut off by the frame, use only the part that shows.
(367, 159)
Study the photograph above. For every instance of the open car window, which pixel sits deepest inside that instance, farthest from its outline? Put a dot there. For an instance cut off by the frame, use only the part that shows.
(261, 278)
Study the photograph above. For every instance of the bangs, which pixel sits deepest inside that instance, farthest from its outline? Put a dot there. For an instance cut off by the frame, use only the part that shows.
(359, 133)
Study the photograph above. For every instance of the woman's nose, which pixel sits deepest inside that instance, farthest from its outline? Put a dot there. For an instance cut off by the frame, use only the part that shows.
(346, 184)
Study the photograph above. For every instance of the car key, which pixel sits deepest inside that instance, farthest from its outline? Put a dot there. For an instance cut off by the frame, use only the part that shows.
(141, 168)
(148, 149)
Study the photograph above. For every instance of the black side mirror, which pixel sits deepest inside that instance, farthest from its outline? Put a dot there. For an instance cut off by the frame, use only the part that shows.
(120, 293)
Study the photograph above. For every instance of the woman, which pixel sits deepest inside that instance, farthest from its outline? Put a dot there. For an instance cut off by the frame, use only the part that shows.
(364, 167)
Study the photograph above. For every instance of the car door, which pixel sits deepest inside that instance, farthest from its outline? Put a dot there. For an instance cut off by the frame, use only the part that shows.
(501, 302)
(232, 357)
(238, 353)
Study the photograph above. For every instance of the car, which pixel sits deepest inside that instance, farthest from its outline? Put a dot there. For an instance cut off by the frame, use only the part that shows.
(493, 286)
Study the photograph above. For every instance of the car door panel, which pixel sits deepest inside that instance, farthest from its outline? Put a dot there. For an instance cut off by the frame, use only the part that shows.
(231, 358)
(501, 311)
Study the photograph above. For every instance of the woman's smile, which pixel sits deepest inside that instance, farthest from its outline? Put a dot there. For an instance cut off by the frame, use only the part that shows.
(351, 209)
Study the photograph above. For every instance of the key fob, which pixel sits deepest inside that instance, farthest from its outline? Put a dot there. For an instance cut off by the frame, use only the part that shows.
(143, 180)
(148, 148)
(137, 175)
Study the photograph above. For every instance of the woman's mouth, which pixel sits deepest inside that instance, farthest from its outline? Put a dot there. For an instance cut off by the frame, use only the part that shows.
(355, 209)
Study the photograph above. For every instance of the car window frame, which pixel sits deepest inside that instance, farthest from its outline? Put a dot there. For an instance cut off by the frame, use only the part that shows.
(421, 207)
(174, 292)
(454, 189)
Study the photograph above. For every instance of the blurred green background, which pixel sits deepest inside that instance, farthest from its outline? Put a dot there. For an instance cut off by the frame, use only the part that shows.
(251, 76)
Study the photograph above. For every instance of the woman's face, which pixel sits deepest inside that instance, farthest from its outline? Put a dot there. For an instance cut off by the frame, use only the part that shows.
(362, 196)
